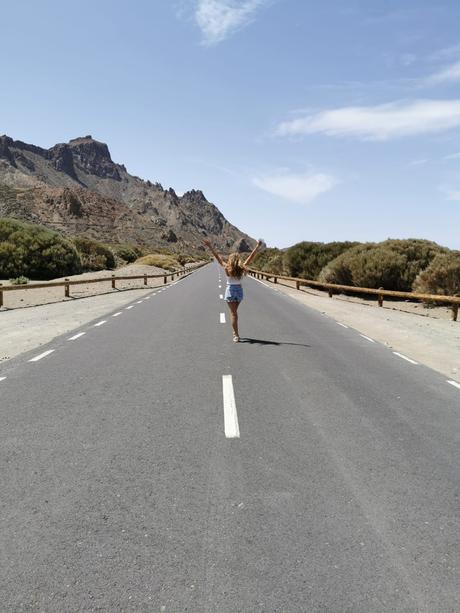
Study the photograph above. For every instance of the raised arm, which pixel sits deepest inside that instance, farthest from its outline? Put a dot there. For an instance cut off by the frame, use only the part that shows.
(214, 252)
(252, 254)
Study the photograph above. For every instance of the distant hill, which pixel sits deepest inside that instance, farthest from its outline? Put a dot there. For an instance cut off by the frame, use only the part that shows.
(76, 188)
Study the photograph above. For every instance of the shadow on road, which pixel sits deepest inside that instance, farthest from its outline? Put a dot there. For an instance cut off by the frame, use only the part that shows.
(259, 341)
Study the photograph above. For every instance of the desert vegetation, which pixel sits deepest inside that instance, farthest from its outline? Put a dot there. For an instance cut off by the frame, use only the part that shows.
(31, 251)
(395, 264)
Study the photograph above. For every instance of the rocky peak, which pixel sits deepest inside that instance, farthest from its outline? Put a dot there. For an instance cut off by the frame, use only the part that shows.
(93, 157)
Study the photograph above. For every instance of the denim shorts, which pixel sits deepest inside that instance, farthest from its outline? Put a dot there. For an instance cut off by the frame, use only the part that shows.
(233, 293)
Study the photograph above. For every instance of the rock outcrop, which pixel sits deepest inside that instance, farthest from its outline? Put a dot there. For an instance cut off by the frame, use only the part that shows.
(76, 187)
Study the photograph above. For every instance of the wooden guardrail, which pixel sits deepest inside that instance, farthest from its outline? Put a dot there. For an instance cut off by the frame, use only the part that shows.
(113, 278)
(453, 301)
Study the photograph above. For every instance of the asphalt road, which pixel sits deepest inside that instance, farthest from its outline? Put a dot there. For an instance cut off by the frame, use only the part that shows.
(125, 485)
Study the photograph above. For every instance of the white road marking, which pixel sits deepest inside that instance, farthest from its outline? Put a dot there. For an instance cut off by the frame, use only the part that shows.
(41, 355)
(371, 340)
(231, 427)
(339, 324)
(220, 286)
(454, 383)
(139, 301)
(116, 314)
(222, 318)
(221, 296)
(404, 357)
(100, 323)
(2, 378)
(130, 307)
(74, 338)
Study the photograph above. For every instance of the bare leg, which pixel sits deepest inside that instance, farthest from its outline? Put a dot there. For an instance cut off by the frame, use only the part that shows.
(233, 306)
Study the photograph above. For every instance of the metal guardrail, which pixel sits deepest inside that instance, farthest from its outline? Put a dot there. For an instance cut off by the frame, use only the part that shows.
(453, 301)
(113, 278)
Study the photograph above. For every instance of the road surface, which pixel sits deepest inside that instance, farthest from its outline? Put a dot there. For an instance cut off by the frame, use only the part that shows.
(148, 463)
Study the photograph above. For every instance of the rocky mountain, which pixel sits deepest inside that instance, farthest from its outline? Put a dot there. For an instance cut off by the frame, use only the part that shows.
(76, 188)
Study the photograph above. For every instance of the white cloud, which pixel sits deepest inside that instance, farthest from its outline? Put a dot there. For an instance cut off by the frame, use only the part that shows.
(382, 122)
(450, 74)
(300, 188)
(452, 156)
(218, 19)
(450, 194)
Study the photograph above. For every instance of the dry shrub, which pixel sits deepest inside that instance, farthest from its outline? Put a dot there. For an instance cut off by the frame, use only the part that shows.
(442, 276)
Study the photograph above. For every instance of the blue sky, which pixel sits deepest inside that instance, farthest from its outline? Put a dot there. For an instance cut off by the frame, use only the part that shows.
(301, 120)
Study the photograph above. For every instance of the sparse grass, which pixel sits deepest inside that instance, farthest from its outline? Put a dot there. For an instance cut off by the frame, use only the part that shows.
(160, 260)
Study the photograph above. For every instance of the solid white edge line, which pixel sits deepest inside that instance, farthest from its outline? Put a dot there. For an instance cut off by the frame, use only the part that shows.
(454, 383)
(339, 324)
(231, 426)
(371, 340)
(222, 318)
(41, 355)
(100, 323)
(404, 357)
(74, 338)
(117, 314)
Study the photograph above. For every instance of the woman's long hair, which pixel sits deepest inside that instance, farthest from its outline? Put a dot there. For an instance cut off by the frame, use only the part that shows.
(234, 266)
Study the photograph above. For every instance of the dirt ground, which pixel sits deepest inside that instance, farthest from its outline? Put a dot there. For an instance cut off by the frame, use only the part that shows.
(34, 297)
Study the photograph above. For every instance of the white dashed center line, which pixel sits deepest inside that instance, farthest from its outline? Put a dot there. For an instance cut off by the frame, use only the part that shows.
(130, 307)
(74, 338)
(41, 355)
(221, 296)
(371, 340)
(339, 324)
(454, 383)
(100, 323)
(222, 318)
(139, 301)
(231, 427)
(404, 357)
(2, 378)
(116, 314)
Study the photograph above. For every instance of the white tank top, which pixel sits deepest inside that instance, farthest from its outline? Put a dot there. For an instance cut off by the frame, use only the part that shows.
(233, 281)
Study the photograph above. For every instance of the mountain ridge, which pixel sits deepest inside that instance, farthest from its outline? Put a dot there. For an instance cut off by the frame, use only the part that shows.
(77, 188)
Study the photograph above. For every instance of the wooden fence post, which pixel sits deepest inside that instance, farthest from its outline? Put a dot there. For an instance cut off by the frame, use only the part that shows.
(67, 288)
(329, 292)
(145, 279)
(297, 284)
(275, 279)
(454, 311)
(380, 298)
(164, 279)
(1, 295)
(113, 282)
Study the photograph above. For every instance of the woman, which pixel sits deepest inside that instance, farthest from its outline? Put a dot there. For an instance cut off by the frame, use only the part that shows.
(234, 269)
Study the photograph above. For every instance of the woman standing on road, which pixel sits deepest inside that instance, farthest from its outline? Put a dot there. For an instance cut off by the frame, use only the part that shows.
(234, 269)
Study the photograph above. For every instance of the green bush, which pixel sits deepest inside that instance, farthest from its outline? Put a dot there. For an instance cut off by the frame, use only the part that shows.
(307, 259)
(34, 251)
(270, 260)
(442, 276)
(392, 264)
(128, 253)
(19, 280)
(94, 255)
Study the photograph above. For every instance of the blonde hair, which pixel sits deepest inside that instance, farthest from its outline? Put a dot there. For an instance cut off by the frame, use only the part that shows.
(234, 267)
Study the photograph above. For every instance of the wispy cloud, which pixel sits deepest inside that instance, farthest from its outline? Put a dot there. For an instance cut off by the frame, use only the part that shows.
(450, 194)
(218, 19)
(382, 122)
(452, 156)
(449, 74)
(301, 188)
